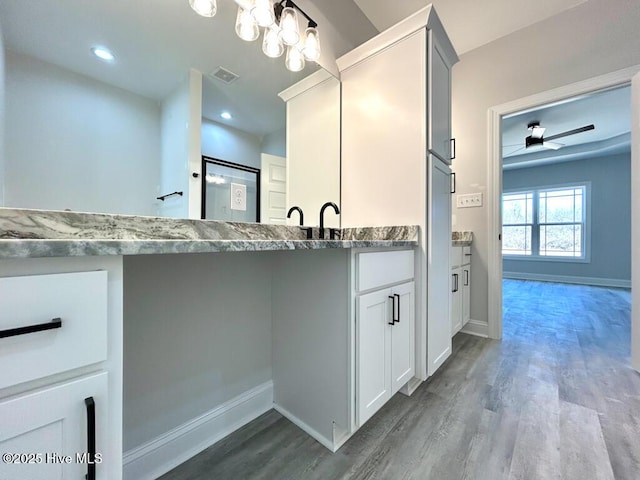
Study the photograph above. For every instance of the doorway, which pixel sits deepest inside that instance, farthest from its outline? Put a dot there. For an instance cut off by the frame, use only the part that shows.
(494, 187)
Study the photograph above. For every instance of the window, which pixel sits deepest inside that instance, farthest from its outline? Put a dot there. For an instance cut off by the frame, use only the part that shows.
(545, 223)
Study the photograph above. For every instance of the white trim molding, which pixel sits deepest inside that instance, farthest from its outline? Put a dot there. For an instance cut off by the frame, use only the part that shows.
(494, 172)
(595, 281)
(477, 328)
(167, 451)
(329, 443)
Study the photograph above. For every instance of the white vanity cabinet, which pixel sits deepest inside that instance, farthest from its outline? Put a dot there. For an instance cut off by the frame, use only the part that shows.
(385, 328)
(460, 287)
(55, 433)
(396, 129)
(60, 369)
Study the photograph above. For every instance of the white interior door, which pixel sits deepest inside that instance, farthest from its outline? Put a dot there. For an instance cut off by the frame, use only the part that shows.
(273, 189)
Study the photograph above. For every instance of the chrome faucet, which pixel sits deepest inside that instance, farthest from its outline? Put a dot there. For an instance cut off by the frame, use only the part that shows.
(309, 230)
(332, 231)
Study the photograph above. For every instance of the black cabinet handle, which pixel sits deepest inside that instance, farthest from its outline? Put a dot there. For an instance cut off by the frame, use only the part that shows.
(466, 278)
(12, 332)
(453, 182)
(393, 310)
(455, 282)
(91, 438)
(453, 148)
(398, 297)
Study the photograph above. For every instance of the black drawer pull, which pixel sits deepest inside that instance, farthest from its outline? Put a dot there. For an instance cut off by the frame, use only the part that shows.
(12, 332)
(393, 310)
(91, 438)
(398, 297)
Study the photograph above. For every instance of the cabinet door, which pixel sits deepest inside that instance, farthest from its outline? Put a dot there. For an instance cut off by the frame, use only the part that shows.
(456, 300)
(373, 352)
(439, 269)
(466, 293)
(403, 337)
(439, 102)
(50, 427)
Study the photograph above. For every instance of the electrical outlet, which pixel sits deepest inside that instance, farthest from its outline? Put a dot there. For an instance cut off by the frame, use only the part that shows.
(469, 200)
(238, 196)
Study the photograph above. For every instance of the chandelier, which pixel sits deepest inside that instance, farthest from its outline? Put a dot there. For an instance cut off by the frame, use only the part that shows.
(279, 21)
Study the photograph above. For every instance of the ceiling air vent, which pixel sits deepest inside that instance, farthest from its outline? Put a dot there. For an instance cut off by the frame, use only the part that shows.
(224, 75)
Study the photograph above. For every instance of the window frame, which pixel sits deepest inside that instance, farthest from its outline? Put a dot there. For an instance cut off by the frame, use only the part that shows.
(535, 231)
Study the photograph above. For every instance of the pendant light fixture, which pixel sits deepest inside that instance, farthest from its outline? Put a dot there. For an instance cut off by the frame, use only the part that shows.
(311, 49)
(246, 4)
(289, 26)
(279, 18)
(246, 26)
(263, 12)
(272, 44)
(206, 8)
(295, 60)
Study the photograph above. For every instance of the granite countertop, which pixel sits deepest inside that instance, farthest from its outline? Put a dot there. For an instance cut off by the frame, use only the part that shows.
(461, 239)
(47, 233)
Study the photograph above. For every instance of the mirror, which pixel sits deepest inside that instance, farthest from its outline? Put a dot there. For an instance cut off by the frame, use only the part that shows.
(112, 136)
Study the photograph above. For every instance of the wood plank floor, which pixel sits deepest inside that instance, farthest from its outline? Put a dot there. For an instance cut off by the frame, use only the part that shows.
(556, 399)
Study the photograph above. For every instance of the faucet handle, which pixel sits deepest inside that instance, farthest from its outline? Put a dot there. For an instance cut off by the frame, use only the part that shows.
(334, 234)
(309, 231)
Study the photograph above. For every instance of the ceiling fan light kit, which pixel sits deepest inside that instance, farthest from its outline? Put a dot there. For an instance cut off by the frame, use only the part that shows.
(537, 136)
(280, 22)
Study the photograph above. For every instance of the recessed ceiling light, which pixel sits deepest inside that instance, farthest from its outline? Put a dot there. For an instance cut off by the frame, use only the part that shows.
(103, 54)
(226, 115)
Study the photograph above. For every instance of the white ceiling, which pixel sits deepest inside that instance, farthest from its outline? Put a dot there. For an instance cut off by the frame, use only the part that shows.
(157, 42)
(608, 111)
(469, 23)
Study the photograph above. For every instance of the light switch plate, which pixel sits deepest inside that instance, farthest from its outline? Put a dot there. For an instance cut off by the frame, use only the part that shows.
(238, 196)
(469, 200)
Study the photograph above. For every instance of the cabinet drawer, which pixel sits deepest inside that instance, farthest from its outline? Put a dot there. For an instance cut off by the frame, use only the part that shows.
(376, 269)
(78, 300)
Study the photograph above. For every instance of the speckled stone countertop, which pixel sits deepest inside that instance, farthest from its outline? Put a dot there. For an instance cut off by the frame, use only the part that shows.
(461, 239)
(47, 233)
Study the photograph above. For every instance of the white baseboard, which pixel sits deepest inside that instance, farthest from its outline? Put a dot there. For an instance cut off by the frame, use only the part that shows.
(410, 387)
(311, 431)
(476, 327)
(542, 277)
(158, 456)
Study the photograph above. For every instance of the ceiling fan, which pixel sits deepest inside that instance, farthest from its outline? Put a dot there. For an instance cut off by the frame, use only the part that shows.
(536, 138)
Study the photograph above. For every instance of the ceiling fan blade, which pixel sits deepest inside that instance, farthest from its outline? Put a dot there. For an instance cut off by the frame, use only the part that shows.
(514, 152)
(586, 128)
(552, 145)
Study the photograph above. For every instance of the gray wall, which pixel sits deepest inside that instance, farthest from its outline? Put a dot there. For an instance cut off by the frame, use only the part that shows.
(230, 144)
(594, 38)
(197, 333)
(275, 143)
(610, 241)
(74, 142)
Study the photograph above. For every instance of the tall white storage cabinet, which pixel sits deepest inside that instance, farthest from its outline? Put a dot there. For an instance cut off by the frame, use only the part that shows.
(396, 126)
